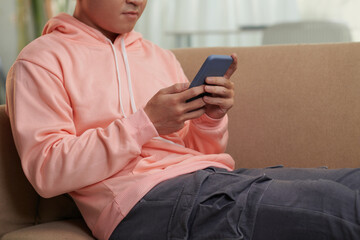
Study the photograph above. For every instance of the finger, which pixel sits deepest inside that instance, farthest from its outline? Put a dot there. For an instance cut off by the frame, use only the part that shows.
(220, 81)
(194, 105)
(219, 91)
(176, 88)
(232, 67)
(194, 114)
(191, 93)
(224, 103)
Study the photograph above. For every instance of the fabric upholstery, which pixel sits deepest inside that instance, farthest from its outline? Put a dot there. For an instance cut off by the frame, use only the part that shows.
(18, 200)
(62, 230)
(296, 105)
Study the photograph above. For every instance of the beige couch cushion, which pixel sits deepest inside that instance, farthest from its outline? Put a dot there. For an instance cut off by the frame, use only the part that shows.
(61, 230)
(295, 105)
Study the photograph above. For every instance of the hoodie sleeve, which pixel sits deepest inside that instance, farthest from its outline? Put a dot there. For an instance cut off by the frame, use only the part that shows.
(206, 135)
(54, 158)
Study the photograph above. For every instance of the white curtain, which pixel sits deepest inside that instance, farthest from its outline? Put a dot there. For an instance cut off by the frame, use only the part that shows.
(211, 22)
(193, 23)
(345, 11)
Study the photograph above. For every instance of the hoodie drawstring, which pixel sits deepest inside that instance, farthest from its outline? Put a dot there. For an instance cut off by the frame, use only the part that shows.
(128, 75)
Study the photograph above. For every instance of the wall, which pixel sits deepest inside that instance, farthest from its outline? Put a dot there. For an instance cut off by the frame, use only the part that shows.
(8, 34)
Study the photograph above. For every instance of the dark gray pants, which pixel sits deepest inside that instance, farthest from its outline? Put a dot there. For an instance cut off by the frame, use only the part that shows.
(258, 204)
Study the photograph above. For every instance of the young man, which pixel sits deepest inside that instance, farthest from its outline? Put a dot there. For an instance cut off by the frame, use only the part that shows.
(100, 113)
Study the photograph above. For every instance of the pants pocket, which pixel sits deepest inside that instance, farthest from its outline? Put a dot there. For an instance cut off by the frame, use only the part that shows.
(217, 218)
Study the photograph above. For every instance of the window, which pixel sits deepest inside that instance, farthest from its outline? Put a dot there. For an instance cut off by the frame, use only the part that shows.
(204, 23)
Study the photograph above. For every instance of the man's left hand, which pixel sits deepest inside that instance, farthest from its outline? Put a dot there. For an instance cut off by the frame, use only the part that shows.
(221, 90)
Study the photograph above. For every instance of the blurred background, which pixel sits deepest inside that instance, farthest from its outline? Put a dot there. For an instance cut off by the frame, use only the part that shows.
(197, 23)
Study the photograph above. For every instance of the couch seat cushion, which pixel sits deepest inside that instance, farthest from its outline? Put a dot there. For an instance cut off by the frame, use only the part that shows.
(60, 230)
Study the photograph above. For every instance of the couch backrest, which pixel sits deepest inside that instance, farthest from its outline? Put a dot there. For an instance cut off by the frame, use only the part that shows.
(296, 105)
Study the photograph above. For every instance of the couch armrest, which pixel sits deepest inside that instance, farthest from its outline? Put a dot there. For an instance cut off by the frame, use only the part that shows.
(18, 200)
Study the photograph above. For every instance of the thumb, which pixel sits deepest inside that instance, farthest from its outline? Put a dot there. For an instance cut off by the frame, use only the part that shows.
(232, 67)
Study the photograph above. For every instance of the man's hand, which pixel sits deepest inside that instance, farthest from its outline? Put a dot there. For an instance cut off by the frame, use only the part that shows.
(221, 91)
(168, 109)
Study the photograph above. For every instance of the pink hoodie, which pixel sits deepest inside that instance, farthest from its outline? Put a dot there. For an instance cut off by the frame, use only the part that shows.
(75, 102)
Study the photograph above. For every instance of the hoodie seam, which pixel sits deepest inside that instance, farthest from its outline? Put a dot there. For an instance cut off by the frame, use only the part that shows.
(41, 66)
(81, 43)
(50, 72)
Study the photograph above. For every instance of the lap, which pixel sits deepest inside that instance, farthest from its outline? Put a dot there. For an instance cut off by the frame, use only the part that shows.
(244, 204)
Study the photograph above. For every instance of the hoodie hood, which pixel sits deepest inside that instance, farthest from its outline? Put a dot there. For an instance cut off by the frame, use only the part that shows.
(75, 30)
(71, 28)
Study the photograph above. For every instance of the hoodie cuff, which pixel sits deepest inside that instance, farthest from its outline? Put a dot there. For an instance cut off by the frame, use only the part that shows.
(207, 123)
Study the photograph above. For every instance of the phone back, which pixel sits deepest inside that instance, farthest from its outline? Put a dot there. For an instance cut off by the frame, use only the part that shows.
(214, 66)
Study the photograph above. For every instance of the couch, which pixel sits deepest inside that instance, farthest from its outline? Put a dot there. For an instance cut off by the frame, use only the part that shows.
(296, 105)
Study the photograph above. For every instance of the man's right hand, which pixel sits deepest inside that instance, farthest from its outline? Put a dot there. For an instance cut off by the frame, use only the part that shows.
(168, 109)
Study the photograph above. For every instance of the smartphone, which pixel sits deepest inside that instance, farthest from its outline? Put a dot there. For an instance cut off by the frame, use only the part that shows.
(214, 66)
